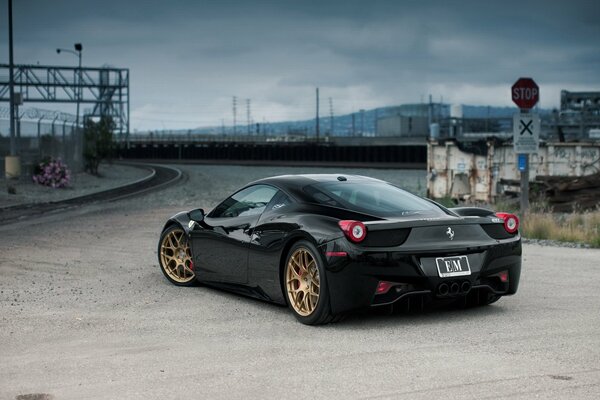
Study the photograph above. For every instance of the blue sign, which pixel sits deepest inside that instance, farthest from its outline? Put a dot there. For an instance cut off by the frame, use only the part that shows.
(522, 162)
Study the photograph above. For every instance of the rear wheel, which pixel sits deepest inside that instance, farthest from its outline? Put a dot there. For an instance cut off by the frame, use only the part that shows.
(305, 285)
(175, 257)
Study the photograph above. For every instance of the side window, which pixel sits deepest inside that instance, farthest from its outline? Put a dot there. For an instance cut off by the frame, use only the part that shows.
(249, 201)
(279, 202)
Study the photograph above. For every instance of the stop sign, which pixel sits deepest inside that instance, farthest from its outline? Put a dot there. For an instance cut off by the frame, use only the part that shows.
(525, 93)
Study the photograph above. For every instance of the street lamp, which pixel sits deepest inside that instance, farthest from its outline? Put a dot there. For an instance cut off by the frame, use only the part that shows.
(78, 49)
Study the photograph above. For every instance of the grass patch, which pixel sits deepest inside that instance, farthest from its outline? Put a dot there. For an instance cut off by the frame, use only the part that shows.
(583, 227)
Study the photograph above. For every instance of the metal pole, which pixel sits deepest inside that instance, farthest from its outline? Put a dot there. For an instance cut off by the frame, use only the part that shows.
(77, 141)
(13, 141)
(39, 137)
(525, 181)
(317, 121)
(53, 143)
(64, 141)
(18, 130)
(525, 187)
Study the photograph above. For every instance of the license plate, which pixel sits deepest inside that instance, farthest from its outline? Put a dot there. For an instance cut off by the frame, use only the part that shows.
(453, 266)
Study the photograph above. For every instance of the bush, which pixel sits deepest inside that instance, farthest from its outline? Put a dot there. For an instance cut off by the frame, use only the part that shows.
(52, 172)
(98, 143)
(575, 227)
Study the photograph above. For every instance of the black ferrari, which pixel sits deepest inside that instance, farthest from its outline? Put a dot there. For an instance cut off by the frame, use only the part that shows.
(329, 244)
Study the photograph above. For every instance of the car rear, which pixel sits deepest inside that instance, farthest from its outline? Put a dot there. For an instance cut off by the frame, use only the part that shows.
(411, 249)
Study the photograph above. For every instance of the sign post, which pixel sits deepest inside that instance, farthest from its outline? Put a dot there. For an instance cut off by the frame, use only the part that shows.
(526, 131)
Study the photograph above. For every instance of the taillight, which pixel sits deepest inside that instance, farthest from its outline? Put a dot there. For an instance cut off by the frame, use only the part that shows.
(511, 221)
(383, 287)
(356, 231)
(502, 275)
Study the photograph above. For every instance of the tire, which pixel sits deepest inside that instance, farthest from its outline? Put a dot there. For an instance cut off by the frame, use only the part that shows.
(175, 257)
(305, 285)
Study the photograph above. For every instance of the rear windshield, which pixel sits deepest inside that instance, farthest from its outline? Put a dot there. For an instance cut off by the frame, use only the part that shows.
(375, 198)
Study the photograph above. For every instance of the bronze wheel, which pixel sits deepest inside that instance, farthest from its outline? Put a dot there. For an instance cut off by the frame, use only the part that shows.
(175, 257)
(303, 282)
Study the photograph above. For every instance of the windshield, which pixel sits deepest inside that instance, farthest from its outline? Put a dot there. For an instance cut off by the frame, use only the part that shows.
(375, 198)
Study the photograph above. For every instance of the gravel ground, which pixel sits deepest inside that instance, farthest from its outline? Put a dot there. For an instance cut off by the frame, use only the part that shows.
(27, 192)
(86, 313)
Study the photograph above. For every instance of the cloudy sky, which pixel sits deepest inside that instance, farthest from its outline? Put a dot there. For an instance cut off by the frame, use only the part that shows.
(187, 59)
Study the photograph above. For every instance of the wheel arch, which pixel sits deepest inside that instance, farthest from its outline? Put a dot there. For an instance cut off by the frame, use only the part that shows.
(292, 240)
(182, 219)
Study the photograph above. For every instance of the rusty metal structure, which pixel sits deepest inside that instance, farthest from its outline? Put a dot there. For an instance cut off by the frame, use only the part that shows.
(579, 113)
(479, 174)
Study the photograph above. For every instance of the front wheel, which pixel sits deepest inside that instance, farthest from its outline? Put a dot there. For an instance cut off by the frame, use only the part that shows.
(305, 285)
(175, 257)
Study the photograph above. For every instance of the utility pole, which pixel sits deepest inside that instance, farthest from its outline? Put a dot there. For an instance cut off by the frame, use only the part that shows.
(353, 124)
(248, 119)
(375, 121)
(317, 119)
(430, 111)
(11, 66)
(331, 133)
(234, 114)
(362, 122)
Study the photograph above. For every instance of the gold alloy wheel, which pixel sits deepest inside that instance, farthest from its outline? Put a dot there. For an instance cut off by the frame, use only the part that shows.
(176, 258)
(303, 282)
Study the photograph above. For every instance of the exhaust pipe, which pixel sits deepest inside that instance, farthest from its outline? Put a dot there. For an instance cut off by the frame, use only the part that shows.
(465, 287)
(443, 289)
(454, 288)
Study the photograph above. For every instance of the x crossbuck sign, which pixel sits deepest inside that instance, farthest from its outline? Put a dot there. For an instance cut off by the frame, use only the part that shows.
(526, 126)
(526, 133)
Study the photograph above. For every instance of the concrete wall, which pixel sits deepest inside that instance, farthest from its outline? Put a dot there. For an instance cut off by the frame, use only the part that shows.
(460, 175)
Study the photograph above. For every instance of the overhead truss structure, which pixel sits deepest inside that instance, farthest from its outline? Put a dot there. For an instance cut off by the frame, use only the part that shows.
(106, 89)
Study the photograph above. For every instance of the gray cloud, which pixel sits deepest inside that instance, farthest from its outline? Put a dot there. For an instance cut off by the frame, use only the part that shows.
(188, 58)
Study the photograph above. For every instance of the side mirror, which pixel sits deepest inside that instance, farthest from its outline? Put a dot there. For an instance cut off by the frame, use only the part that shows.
(196, 215)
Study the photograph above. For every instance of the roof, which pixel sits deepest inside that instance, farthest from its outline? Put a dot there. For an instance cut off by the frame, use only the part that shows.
(293, 184)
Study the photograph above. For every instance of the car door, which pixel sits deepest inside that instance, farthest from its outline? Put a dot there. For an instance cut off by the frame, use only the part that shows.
(220, 248)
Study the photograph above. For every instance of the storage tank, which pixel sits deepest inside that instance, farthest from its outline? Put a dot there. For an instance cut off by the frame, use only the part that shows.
(456, 111)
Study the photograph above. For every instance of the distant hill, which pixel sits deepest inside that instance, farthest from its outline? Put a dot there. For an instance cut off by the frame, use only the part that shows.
(494, 112)
(364, 121)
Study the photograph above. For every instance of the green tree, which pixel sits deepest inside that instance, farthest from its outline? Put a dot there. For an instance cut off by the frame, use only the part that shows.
(98, 143)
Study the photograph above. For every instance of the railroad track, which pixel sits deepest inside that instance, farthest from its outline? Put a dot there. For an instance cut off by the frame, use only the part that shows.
(159, 177)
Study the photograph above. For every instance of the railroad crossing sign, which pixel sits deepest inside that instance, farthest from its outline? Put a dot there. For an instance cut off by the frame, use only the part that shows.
(526, 133)
(525, 93)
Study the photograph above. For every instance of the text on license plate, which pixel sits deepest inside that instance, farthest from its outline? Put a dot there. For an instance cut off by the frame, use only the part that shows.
(453, 266)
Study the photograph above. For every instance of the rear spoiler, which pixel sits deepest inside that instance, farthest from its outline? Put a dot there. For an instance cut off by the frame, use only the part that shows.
(472, 211)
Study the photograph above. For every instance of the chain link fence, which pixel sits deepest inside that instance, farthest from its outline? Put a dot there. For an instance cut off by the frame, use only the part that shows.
(42, 134)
